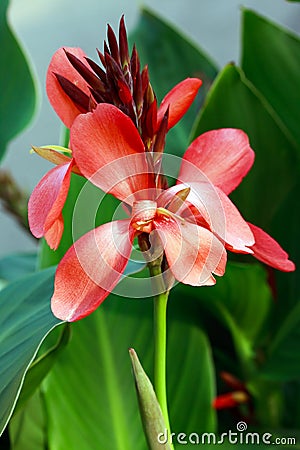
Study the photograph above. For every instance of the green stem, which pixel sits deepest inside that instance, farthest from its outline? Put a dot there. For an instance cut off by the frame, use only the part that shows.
(160, 340)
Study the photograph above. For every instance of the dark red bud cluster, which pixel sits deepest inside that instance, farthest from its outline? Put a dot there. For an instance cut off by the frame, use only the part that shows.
(121, 82)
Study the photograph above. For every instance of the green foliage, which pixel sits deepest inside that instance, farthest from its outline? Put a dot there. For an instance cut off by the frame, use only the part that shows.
(25, 320)
(17, 265)
(108, 417)
(274, 67)
(18, 91)
(88, 394)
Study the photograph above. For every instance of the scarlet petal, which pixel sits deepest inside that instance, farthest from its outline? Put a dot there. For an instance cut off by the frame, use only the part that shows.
(46, 204)
(109, 151)
(224, 155)
(238, 234)
(193, 252)
(267, 250)
(90, 270)
(61, 103)
(178, 100)
(217, 211)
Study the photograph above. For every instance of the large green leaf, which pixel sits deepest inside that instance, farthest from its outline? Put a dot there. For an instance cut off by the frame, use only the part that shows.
(172, 57)
(271, 61)
(18, 93)
(28, 428)
(90, 394)
(283, 360)
(234, 102)
(42, 365)
(25, 320)
(17, 265)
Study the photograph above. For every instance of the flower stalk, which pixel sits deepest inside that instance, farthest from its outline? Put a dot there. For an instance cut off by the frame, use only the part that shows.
(160, 339)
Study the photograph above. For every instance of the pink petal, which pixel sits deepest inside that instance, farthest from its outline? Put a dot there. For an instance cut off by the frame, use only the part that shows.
(110, 153)
(216, 210)
(267, 250)
(61, 103)
(224, 155)
(193, 252)
(238, 234)
(179, 99)
(90, 270)
(46, 204)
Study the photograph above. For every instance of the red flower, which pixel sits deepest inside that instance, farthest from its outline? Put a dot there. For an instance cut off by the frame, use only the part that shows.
(191, 222)
(75, 85)
(230, 400)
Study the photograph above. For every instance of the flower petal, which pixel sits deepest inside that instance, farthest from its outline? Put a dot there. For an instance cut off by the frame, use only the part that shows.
(224, 155)
(110, 153)
(193, 252)
(65, 108)
(267, 250)
(238, 235)
(178, 100)
(46, 204)
(90, 270)
(215, 209)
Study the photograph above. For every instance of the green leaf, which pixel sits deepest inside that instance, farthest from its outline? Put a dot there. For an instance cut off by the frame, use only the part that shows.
(172, 57)
(271, 61)
(41, 366)
(234, 313)
(234, 102)
(17, 265)
(90, 395)
(28, 428)
(18, 92)
(25, 320)
(283, 361)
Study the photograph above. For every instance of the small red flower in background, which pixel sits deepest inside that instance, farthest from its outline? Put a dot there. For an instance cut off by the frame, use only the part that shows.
(75, 85)
(193, 221)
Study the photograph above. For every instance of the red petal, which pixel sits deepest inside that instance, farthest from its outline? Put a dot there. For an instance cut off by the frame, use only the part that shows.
(224, 155)
(46, 204)
(90, 270)
(267, 250)
(109, 151)
(178, 100)
(193, 252)
(230, 400)
(61, 103)
(216, 209)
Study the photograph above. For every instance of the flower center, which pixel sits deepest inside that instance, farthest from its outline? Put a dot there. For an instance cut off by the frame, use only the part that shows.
(143, 212)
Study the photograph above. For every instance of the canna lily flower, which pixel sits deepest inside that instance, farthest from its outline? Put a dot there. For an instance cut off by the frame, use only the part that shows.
(75, 85)
(190, 224)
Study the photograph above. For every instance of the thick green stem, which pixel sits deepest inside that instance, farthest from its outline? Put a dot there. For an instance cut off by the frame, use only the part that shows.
(160, 340)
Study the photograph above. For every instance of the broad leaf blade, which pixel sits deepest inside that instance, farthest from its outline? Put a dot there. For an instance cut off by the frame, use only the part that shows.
(18, 93)
(283, 362)
(17, 265)
(271, 61)
(25, 320)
